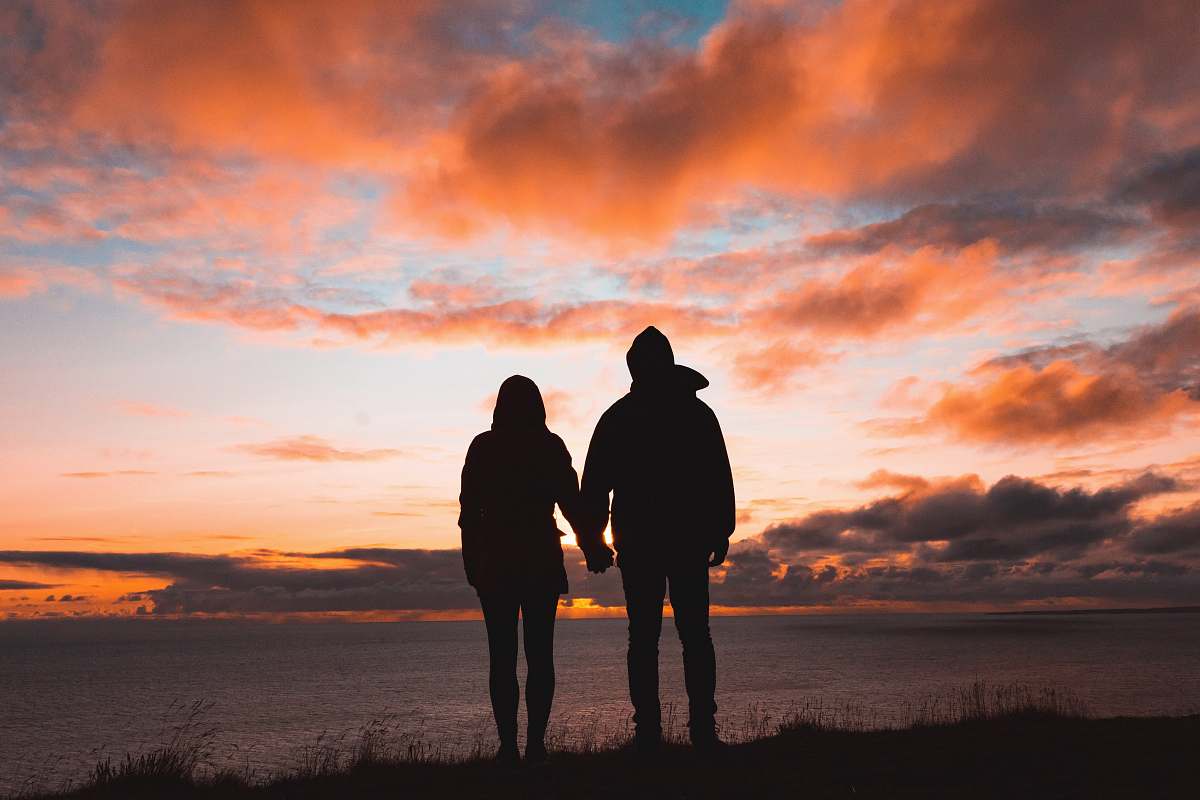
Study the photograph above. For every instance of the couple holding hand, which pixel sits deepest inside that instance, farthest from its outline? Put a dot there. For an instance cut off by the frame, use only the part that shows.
(659, 453)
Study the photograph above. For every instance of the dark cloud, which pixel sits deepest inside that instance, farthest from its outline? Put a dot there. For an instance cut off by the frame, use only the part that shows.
(958, 541)
(1169, 187)
(12, 585)
(385, 579)
(780, 583)
(127, 563)
(1014, 228)
(1177, 532)
(960, 520)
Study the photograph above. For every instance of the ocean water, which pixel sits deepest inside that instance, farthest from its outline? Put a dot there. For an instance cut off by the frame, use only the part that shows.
(73, 692)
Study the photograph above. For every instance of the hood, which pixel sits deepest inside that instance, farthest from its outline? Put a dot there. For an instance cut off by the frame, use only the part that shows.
(652, 364)
(519, 405)
(650, 357)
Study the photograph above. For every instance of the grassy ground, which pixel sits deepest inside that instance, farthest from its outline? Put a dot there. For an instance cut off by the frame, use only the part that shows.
(979, 743)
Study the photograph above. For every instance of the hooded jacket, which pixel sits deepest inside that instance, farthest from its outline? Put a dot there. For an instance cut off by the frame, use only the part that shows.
(660, 453)
(513, 476)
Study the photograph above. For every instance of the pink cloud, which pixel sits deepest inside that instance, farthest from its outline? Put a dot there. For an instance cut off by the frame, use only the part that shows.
(19, 281)
(120, 472)
(313, 448)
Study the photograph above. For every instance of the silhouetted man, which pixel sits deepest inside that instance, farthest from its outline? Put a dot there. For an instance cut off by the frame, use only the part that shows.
(660, 452)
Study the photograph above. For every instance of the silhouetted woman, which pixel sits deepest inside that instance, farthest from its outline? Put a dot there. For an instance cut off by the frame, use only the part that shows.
(513, 476)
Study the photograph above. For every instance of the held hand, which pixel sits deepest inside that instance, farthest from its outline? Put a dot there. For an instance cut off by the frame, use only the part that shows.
(718, 554)
(599, 560)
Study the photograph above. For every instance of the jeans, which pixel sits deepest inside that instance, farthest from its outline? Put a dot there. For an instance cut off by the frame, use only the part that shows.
(646, 581)
(537, 611)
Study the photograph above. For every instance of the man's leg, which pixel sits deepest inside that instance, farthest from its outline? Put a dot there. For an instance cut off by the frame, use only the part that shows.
(645, 587)
(689, 600)
(538, 612)
(500, 616)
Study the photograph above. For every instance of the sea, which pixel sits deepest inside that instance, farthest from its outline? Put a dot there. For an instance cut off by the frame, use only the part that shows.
(266, 694)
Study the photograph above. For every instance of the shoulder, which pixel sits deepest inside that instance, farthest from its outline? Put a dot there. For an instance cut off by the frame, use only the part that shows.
(613, 420)
(703, 409)
(618, 410)
(558, 446)
(480, 443)
(700, 413)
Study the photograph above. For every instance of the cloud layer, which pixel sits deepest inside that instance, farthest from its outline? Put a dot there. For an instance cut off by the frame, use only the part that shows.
(934, 543)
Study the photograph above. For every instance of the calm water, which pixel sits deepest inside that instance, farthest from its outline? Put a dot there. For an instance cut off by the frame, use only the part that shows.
(72, 692)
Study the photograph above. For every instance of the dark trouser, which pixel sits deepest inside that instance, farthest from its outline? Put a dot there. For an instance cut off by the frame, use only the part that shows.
(646, 581)
(537, 611)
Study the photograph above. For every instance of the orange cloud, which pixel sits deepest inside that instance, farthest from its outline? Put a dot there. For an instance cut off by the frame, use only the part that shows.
(246, 304)
(1055, 404)
(891, 293)
(313, 448)
(773, 367)
(882, 478)
(307, 81)
(888, 293)
(1074, 392)
(19, 282)
(547, 126)
(926, 289)
(868, 98)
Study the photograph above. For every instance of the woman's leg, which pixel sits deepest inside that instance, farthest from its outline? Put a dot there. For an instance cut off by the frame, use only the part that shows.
(500, 616)
(539, 611)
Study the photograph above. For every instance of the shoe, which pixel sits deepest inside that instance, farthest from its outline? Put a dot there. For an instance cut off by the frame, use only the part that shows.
(508, 756)
(646, 747)
(535, 754)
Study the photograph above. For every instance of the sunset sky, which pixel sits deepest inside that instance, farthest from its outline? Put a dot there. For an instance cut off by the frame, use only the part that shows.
(264, 265)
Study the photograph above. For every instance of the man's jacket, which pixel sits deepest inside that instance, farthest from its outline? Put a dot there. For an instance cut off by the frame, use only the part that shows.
(660, 452)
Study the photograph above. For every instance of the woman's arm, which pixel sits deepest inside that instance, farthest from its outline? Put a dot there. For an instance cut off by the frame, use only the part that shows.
(470, 515)
(567, 490)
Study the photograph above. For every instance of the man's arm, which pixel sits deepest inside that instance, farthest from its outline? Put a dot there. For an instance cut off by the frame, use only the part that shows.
(594, 492)
(724, 504)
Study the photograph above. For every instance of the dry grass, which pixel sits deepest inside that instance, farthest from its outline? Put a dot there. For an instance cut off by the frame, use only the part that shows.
(185, 753)
(186, 756)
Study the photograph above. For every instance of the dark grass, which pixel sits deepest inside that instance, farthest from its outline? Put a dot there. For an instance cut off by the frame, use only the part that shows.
(976, 742)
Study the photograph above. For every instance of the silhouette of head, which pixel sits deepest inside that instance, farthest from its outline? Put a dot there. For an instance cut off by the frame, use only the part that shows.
(650, 357)
(519, 405)
(652, 364)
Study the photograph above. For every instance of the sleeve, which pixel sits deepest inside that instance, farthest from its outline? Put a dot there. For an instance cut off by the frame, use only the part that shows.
(596, 486)
(721, 483)
(470, 514)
